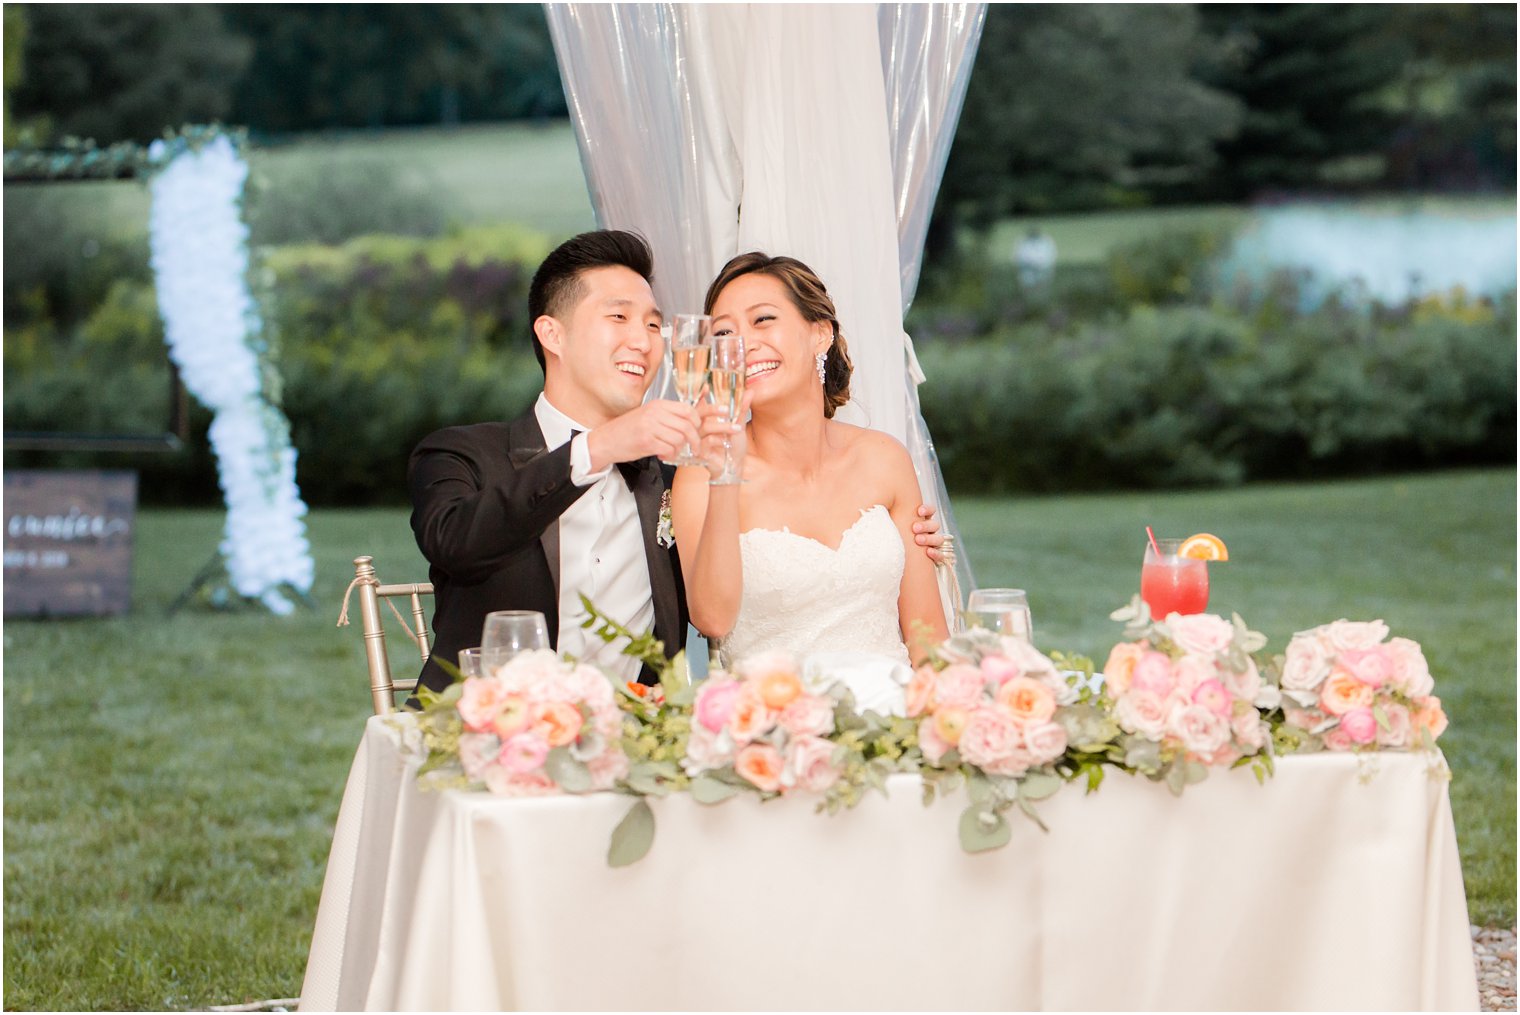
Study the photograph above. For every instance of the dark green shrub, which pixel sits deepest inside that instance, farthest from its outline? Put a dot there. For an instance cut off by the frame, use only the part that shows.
(333, 200)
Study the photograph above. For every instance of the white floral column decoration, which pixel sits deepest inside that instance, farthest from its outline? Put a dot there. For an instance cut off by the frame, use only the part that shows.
(216, 339)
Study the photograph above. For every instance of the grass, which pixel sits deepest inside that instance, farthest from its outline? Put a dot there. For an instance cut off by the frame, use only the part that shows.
(171, 782)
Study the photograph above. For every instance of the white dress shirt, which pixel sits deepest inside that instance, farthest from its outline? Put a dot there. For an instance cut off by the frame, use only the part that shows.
(601, 552)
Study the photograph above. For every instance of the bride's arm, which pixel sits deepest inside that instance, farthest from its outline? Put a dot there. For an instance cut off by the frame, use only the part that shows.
(706, 524)
(919, 611)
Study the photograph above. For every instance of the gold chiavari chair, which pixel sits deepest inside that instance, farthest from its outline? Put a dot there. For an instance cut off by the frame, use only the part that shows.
(382, 688)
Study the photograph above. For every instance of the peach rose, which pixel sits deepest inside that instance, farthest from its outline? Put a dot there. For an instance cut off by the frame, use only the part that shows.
(1430, 716)
(810, 764)
(1143, 713)
(1397, 734)
(1153, 674)
(933, 746)
(758, 665)
(524, 752)
(479, 703)
(1306, 665)
(1212, 696)
(760, 766)
(990, 734)
(558, 722)
(1201, 632)
(778, 688)
(959, 686)
(1411, 673)
(950, 723)
(809, 715)
(920, 693)
(1120, 668)
(1343, 692)
(1371, 666)
(1027, 700)
(1045, 741)
(1360, 726)
(715, 702)
(750, 719)
(512, 717)
(1353, 634)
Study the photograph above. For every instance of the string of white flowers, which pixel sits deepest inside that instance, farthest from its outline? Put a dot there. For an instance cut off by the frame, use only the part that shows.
(215, 335)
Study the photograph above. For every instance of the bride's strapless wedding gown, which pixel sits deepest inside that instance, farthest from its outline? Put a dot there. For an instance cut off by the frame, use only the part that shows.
(835, 609)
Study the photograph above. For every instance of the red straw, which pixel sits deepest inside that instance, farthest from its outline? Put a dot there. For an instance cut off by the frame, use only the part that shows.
(1152, 537)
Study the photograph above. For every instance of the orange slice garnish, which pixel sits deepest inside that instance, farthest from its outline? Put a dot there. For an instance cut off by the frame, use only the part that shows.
(1203, 547)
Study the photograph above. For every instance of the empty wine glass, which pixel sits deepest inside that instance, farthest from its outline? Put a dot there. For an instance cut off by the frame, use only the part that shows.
(1005, 611)
(470, 664)
(508, 632)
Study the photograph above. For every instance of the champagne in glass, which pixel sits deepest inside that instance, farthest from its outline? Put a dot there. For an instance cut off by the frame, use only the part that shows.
(726, 380)
(690, 355)
(1171, 583)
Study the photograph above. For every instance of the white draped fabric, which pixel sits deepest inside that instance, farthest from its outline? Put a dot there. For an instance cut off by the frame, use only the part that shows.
(818, 131)
(1336, 886)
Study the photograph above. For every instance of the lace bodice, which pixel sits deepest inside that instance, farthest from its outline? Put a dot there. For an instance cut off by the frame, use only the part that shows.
(803, 596)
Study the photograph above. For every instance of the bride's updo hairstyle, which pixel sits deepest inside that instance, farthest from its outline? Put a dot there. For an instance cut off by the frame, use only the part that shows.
(812, 301)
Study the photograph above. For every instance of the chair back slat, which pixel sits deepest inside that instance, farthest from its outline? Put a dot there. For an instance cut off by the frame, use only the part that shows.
(381, 685)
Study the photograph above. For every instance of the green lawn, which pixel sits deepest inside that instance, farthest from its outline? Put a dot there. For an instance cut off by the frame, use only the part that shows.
(171, 782)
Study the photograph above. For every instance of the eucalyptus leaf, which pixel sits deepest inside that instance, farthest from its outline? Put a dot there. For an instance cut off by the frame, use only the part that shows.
(677, 675)
(1195, 771)
(1039, 785)
(568, 774)
(978, 789)
(1381, 716)
(1176, 778)
(1031, 813)
(982, 830)
(707, 790)
(928, 793)
(632, 837)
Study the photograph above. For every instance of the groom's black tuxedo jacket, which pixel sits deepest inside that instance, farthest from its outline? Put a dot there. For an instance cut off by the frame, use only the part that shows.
(486, 502)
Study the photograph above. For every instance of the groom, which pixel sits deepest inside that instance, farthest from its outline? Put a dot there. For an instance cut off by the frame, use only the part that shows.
(567, 498)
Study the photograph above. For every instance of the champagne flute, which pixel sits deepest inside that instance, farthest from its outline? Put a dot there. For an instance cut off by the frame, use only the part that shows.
(508, 632)
(690, 355)
(727, 387)
(1005, 611)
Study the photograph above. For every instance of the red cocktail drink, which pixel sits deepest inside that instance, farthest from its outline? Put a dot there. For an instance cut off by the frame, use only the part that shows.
(1173, 584)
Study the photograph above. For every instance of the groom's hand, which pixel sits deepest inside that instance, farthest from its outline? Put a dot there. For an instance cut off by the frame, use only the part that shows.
(660, 428)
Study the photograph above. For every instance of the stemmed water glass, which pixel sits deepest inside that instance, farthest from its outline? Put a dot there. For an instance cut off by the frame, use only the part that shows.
(1004, 611)
(726, 383)
(508, 632)
(690, 356)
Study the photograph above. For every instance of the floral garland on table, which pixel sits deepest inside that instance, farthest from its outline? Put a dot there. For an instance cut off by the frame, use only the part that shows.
(1178, 698)
(216, 340)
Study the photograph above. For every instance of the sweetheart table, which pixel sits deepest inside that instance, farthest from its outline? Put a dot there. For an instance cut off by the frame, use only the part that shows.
(1335, 886)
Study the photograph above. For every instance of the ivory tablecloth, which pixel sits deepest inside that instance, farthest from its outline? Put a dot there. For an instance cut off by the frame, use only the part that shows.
(1335, 886)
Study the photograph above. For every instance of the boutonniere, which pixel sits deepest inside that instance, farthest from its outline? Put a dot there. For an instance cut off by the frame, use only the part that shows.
(665, 533)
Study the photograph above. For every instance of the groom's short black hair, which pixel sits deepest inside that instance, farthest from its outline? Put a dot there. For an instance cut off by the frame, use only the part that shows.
(557, 287)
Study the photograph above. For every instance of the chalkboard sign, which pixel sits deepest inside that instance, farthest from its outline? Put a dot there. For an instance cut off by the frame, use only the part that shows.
(68, 542)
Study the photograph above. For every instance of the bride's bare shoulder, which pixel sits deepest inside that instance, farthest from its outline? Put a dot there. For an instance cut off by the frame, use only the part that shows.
(871, 448)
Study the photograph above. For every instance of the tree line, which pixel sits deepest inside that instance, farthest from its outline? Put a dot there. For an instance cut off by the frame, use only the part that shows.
(1069, 106)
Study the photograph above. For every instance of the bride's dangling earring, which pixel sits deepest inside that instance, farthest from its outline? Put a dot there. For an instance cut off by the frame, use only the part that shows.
(819, 360)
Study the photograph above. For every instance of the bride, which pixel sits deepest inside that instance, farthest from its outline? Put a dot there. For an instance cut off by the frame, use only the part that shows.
(814, 551)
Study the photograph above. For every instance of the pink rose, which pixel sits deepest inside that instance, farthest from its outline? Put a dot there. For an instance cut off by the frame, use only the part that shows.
(477, 751)
(920, 691)
(1153, 674)
(1337, 739)
(990, 734)
(1203, 633)
(480, 702)
(1307, 664)
(1201, 731)
(809, 715)
(1250, 732)
(1013, 764)
(751, 719)
(1353, 634)
(1142, 713)
(1120, 668)
(1360, 726)
(1430, 716)
(1212, 696)
(1343, 692)
(959, 686)
(524, 753)
(760, 766)
(933, 746)
(1045, 741)
(1192, 671)
(1411, 673)
(706, 750)
(530, 669)
(607, 768)
(1027, 700)
(998, 670)
(810, 765)
(1371, 666)
(715, 702)
(588, 684)
(1245, 685)
(536, 783)
(1399, 726)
